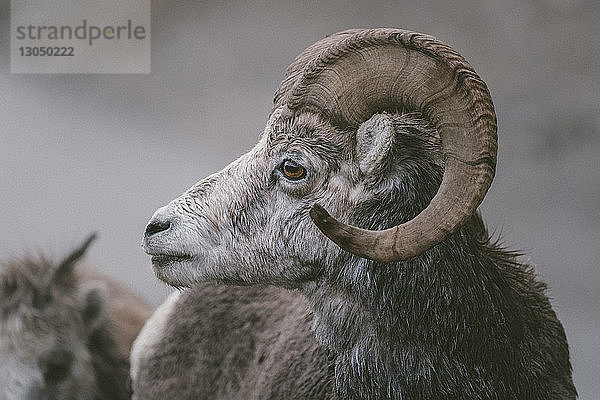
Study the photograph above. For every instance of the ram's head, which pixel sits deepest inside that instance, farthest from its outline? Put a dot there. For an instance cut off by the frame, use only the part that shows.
(362, 126)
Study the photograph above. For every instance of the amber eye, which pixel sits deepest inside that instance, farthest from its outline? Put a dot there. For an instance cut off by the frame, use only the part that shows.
(292, 170)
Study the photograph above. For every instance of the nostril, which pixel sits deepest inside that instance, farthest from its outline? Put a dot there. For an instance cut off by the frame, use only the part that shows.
(156, 227)
(55, 363)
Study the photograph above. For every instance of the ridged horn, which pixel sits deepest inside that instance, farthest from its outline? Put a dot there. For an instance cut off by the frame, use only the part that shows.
(349, 76)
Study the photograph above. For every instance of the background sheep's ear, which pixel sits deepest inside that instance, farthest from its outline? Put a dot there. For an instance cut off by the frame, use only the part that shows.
(66, 266)
(93, 297)
(374, 140)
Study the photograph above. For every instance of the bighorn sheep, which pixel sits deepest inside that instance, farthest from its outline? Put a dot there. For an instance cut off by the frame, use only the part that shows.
(395, 135)
(65, 334)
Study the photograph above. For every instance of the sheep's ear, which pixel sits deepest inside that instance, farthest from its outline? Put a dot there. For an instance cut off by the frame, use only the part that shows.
(65, 268)
(93, 296)
(374, 140)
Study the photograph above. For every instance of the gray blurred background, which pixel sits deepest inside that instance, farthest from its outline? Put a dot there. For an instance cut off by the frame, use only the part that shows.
(82, 153)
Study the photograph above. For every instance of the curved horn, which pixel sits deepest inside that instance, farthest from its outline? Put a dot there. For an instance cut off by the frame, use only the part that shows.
(352, 75)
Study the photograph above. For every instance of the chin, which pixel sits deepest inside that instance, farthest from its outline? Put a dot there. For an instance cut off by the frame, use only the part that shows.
(176, 272)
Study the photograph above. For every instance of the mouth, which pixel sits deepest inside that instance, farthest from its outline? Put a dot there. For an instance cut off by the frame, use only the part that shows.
(163, 259)
(168, 268)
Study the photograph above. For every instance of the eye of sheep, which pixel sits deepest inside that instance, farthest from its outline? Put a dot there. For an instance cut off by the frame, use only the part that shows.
(292, 170)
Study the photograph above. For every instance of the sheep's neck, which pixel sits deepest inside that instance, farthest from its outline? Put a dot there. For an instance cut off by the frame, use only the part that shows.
(408, 324)
(344, 324)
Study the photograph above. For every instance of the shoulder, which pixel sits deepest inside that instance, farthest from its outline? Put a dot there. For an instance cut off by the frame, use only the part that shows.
(151, 335)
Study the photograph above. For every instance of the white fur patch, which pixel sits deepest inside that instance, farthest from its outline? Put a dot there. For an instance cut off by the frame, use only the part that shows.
(151, 334)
